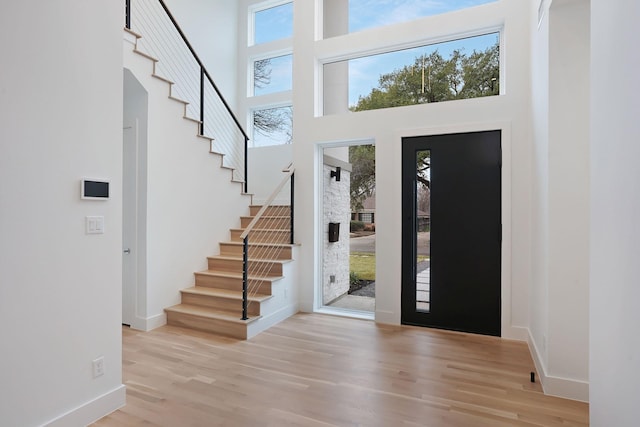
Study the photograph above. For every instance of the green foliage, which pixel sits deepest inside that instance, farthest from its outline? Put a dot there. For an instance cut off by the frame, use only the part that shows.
(356, 226)
(363, 175)
(432, 78)
(354, 279)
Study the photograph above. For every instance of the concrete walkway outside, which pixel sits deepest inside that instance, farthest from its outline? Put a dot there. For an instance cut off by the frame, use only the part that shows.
(364, 299)
(355, 302)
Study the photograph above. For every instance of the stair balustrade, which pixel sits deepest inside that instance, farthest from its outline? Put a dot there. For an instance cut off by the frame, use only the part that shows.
(266, 231)
(178, 62)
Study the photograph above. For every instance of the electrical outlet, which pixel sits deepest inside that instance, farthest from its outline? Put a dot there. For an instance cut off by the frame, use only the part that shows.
(332, 278)
(98, 367)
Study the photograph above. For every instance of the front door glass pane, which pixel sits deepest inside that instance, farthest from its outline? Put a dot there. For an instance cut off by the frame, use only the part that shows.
(423, 230)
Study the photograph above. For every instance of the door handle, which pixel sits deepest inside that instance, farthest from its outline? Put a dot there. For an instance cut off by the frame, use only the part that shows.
(127, 251)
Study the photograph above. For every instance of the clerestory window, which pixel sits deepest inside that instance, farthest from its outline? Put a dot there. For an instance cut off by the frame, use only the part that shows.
(457, 69)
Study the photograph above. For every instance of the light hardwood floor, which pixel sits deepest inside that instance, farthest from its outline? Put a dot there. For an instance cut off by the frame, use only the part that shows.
(318, 370)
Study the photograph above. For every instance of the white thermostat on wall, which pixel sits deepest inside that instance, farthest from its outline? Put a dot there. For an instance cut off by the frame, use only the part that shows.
(94, 189)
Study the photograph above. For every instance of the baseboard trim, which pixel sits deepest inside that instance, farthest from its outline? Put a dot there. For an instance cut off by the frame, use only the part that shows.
(93, 410)
(139, 323)
(517, 333)
(387, 317)
(148, 323)
(154, 322)
(566, 388)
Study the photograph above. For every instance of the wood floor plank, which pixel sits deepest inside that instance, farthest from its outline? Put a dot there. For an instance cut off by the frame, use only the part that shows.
(318, 370)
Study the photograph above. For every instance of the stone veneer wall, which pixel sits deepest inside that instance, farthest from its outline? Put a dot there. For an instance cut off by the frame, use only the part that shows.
(337, 208)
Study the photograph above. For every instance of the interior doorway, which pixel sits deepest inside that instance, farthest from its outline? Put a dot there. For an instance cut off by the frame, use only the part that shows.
(457, 285)
(134, 202)
(349, 240)
(129, 221)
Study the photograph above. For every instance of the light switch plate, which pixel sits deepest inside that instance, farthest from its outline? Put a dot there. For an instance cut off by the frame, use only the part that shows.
(94, 224)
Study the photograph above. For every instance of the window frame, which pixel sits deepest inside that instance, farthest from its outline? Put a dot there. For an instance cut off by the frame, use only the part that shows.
(251, 17)
(250, 120)
(251, 60)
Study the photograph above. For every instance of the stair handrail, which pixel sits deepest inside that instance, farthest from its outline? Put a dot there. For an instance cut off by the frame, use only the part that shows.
(289, 176)
(203, 73)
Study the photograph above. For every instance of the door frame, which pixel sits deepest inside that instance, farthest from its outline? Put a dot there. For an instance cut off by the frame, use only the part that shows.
(130, 214)
(135, 113)
(318, 306)
(509, 331)
(446, 152)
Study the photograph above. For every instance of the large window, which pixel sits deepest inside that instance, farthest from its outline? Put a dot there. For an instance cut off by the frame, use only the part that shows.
(272, 75)
(269, 72)
(459, 69)
(273, 23)
(272, 126)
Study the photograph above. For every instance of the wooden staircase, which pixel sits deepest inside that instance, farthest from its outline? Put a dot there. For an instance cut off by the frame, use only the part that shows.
(214, 303)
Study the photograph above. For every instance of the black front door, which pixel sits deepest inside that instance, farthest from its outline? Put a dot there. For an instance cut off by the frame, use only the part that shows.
(451, 231)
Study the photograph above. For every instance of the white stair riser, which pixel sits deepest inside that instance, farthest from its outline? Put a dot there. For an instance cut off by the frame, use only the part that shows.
(221, 303)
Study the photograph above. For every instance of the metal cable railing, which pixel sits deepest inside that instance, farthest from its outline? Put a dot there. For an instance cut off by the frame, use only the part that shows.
(271, 231)
(178, 62)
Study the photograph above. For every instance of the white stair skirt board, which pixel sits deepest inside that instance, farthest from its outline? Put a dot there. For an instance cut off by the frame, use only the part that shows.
(271, 319)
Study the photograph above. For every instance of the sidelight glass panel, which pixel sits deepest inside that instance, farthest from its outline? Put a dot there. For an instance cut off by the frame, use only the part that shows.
(423, 230)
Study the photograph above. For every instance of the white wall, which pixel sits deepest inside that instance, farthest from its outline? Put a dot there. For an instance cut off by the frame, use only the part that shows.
(539, 295)
(212, 29)
(560, 295)
(569, 95)
(191, 201)
(265, 172)
(615, 209)
(60, 289)
(386, 127)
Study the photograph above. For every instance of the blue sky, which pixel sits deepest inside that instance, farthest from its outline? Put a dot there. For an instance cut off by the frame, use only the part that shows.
(374, 13)
(273, 24)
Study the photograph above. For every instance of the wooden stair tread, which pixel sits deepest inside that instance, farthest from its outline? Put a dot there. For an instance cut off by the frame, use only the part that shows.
(266, 217)
(270, 230)
(182, 101)
(164, 79)
(224, 293)
(130, 31)
(146, 55)
(210, 313)
(277, 245)
(235, 275)
(239, 258)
